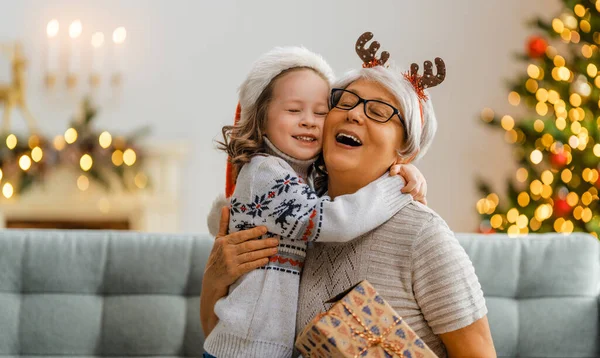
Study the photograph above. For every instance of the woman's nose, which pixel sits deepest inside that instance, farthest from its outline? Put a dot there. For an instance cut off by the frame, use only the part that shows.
(357, 114)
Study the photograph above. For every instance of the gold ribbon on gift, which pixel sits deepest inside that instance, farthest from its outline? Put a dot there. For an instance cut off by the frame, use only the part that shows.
(372, 339)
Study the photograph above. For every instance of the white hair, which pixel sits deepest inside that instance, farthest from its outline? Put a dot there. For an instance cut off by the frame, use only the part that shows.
(418, 137)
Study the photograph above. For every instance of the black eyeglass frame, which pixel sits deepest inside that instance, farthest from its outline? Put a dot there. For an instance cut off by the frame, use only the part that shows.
(365, 102)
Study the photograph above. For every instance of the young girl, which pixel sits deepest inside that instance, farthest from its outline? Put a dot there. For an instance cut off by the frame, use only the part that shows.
(284, 102)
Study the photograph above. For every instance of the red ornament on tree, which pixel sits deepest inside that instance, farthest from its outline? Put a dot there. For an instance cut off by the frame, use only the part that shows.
(561, 208)
(536, 46)
(558, 160)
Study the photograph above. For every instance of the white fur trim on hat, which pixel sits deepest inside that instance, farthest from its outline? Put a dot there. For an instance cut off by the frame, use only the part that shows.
(271, 64)
(214, 216)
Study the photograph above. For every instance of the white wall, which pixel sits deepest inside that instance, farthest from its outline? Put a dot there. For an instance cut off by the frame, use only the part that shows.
(185, 60)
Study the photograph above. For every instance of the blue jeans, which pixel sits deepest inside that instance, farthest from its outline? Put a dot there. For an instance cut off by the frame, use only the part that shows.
(206, 355)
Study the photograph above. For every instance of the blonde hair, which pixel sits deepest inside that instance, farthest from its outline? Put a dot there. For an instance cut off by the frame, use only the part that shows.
(244, 140)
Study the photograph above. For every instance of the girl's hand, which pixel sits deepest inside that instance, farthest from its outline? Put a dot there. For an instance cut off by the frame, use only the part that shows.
(416, 185)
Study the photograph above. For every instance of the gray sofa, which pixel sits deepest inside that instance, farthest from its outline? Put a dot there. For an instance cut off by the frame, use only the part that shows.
(90, 294)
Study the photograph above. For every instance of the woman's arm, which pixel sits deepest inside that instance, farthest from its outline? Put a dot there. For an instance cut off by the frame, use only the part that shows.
(448, 291)
(231, 256)
(474, 340)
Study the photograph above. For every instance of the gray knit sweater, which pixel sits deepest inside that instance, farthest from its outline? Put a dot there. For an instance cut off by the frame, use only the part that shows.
(258, 317)
(416, 264)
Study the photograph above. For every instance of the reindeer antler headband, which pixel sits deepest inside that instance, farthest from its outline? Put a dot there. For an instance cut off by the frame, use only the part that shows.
(420, 83)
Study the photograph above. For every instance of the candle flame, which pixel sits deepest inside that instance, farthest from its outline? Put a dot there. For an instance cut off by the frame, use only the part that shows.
(97, 39)
(75, 29)
(119, 35)
(52, 28)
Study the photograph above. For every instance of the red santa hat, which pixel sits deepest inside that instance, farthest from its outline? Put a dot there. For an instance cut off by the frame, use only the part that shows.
(263, 71)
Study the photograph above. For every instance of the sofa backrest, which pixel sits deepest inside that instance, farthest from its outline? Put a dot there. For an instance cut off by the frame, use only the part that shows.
(100, 294)
(76, 293)
(541, 292)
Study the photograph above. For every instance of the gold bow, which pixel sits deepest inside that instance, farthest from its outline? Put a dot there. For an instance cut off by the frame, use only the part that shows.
(372, 339)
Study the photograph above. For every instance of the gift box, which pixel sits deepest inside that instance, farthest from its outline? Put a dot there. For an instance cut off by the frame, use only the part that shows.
(360, 324)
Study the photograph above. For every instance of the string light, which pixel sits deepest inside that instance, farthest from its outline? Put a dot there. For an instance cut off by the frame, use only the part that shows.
(566, 176)
(541, 108)
(105, 140)
(531, 85)
(543, 212)
(86, 162)
(487, 114)
(585, 26)
(541, 95)
(117, 158)
(129, 157)
(534, 224)
(572, 199)
(547, 177)
(37, 154)
(513, 231)
(558, 26)
(522, 175)
(507, 122)
(586, 198)
(70, 135)
(514, 98)
(7, 190)
(512, 215)
(587, 215)
(536, 156)
(564, 73)
(25, 162)
(533, 71)
(141, 181)
(523, 199)
(59, 143)
(83, 183)
(11, 141)
(34, 141)
(538, 125)
(536, 187)
(553, 96)
(575, 100)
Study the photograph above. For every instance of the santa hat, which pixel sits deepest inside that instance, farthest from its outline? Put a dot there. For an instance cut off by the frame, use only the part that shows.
(263, 71)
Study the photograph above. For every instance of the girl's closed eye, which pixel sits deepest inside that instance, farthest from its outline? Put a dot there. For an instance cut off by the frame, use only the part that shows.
(293, 110)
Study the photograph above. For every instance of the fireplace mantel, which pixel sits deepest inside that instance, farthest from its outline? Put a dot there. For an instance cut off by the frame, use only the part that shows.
(155, 209)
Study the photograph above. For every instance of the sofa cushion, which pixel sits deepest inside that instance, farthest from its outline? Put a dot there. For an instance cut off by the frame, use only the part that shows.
(541, 292)
(97, 293)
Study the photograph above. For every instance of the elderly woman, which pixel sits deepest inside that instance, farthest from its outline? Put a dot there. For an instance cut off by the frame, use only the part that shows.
(413, 260)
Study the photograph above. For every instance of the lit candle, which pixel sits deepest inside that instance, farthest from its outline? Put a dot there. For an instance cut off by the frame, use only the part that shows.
(75, 30)
(119, 36)
(52, 59)
(97, 58)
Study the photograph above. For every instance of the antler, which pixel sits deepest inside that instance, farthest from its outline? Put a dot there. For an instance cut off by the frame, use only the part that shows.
(428, 79)
(367, 55)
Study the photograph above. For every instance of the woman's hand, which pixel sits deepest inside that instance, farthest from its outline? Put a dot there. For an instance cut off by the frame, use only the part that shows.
(231, 257)
(415, 181)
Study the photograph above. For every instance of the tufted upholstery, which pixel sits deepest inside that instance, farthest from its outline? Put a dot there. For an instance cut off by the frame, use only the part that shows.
(91, 294)
(541, 292)
(100, 294)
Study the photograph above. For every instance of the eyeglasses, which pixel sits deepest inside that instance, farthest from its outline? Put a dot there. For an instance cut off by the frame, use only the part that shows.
(374, 109)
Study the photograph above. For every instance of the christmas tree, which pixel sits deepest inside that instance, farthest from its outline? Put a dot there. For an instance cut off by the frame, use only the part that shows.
(556, 136)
